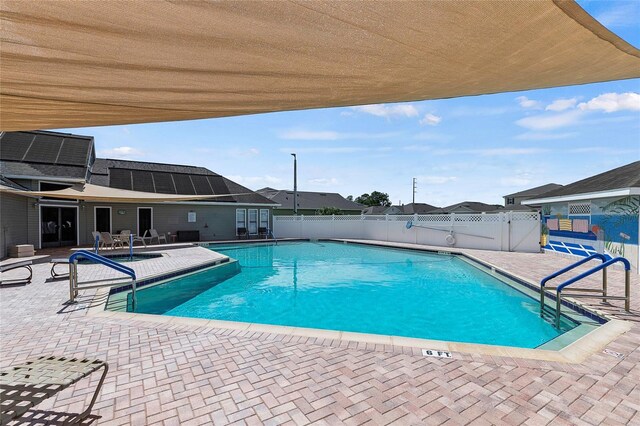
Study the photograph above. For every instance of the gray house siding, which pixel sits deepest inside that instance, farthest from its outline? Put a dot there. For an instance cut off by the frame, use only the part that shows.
(214, 222)
(21, 219)
(15, 227)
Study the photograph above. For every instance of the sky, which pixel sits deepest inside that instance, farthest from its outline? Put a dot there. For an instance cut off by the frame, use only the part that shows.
(465, 149)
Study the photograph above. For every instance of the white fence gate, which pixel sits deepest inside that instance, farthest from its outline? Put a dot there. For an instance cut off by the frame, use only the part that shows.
(509, 231)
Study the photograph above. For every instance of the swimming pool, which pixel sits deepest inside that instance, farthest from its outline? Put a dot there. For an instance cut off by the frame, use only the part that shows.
(359, 288)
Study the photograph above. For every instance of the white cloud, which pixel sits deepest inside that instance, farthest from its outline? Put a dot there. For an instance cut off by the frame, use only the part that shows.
(431, 120)
(121, 151)
(310, 135)
(417, 148)
(514, 181)
(479, 111)
(492, 152)
(388, 111)
(550, 121)
(323, 181)
(325, 150)
(536, 136)
(436, 180)
(495, 152)
(527, 103)
(244, 153)
(330, 135)
(612, 102)
(430, 136)
(561, 104)
(256, 181)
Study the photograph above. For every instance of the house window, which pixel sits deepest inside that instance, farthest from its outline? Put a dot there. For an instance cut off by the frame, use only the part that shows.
(241, 221)
(510, 200)
(253, 221)
(264, 218)
(580, 209)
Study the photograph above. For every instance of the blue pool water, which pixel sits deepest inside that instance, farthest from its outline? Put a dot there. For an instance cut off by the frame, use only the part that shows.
(358, 288)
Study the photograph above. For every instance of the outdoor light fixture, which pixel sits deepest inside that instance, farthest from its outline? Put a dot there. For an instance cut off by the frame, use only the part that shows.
(295, 184)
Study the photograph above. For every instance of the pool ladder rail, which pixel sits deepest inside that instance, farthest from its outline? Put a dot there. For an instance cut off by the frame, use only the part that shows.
(75, 286)
(273, 237)
(586, 292)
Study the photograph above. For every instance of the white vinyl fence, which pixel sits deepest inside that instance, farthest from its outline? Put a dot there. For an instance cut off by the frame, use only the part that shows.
(510, 231)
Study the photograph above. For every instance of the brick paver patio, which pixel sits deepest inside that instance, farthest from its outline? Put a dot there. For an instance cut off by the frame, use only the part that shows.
(177, 373)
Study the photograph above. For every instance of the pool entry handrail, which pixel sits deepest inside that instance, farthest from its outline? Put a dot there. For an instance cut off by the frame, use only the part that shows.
(587, 292)
(270, 234)
(74, 286)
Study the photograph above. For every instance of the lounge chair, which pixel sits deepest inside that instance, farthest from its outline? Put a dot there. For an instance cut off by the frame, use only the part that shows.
(8, 266)
(159, 237)
(109, 241)
(24, 386)
(59, 261)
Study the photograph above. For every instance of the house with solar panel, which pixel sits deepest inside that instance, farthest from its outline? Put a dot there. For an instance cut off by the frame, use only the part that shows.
(596, 214)
(32, 163)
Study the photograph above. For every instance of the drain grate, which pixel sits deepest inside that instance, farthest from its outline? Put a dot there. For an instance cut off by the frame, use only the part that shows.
(613, 353)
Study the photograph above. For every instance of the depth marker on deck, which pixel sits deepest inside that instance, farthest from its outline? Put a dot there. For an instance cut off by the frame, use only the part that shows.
(437, 354)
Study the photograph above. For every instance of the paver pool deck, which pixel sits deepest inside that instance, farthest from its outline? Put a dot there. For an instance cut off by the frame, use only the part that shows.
(179, 373)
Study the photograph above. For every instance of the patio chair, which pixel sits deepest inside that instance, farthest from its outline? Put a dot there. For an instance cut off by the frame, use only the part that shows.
(263, 232)
(24, 386)
(159, 237)
(140, 238)
(242, 232)
(124, 236)
(100, 241)
(109, 241)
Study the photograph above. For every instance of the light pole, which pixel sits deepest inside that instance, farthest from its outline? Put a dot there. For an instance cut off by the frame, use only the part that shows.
(295, 184)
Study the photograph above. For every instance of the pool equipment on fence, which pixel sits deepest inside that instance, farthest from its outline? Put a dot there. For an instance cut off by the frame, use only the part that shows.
(449, 239)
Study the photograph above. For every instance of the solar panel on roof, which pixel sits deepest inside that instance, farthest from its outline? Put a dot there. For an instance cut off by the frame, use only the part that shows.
(120, 178)
(164, 183)
(44, 149)
(74, 152)
(142, 181)
(218, 185)
(14, 145)
(201, 184)
(183, 184)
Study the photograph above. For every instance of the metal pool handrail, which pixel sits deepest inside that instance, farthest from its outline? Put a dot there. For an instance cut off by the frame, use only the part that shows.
(567, 269)
(603, 267)
(73, 273)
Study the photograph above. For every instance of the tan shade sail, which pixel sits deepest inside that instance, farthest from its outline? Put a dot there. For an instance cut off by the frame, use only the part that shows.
(89, 192)
(70, 63)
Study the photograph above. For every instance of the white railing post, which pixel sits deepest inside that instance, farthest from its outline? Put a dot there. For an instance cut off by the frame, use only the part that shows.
(333, 226)
(386, 223)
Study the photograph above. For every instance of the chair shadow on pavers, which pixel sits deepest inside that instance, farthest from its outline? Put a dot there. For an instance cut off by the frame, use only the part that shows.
(24, 386)
(53, 418)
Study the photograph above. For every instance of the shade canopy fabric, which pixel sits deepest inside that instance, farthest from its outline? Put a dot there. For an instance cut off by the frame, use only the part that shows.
(69, 63)
(89, 192)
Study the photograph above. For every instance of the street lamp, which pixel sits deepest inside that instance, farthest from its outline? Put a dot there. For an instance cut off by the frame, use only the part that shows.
(295, 184)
